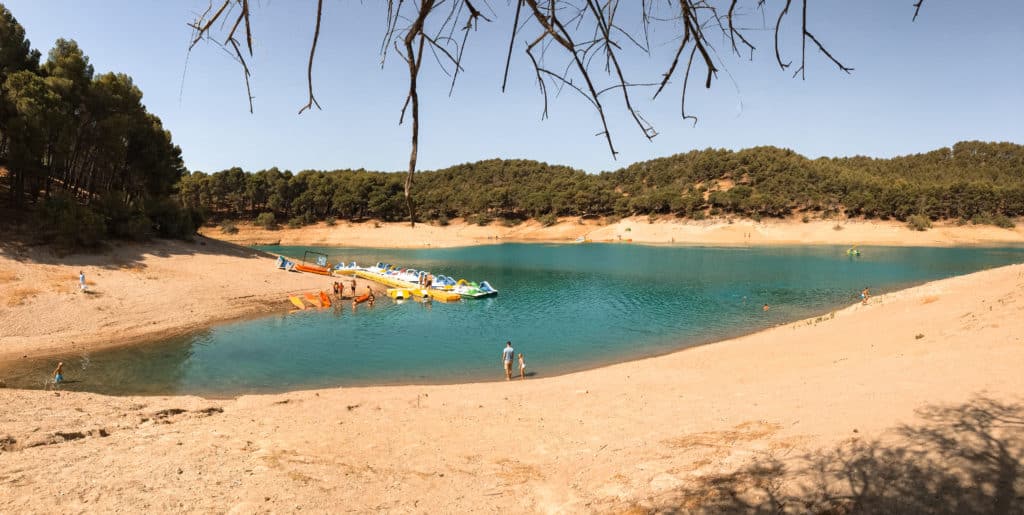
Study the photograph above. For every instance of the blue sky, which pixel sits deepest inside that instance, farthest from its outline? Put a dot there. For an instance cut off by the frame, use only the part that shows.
(957, 73)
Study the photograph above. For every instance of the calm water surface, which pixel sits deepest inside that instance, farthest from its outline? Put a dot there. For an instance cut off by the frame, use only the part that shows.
(567, 307)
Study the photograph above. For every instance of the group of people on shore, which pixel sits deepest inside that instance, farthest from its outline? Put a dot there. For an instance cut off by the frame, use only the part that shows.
(338, 287)
(507, 356)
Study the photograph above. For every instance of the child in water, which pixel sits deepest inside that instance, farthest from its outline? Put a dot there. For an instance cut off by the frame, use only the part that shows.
(522, 367)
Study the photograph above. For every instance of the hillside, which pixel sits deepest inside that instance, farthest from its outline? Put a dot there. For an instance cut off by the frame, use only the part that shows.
(972, 181)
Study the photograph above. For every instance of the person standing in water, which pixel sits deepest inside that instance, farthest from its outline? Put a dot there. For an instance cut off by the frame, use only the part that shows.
(522, 367)
(506, 358)
(864, 295)
(58, 373)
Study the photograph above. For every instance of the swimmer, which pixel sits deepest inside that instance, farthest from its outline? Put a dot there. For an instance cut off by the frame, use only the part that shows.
(765, 307)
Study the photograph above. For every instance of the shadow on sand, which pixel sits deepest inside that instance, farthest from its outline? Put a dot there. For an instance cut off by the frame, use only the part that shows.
(963, 459)
(117, 254)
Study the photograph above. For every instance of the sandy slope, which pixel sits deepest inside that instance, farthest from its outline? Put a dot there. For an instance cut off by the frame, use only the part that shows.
(136, 291)
(806, 415)
(667, 230)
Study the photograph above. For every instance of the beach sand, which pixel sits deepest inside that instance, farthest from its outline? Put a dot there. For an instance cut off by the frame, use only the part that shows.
(912, 403)
(665, 230)
(137, 292)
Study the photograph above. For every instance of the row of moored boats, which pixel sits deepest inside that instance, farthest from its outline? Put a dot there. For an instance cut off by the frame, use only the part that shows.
(407, 282)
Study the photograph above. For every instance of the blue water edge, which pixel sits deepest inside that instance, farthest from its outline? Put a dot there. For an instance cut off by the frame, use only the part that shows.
(566, 307)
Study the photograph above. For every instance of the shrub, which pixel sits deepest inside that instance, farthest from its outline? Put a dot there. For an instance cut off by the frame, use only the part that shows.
(805, 219)
(997, 220)
(228, 227)
(699, 215)
(612, 220)
(919, 222)
(510, 222)
(171, 220)
(295, 222)
(331, 221)
(837, 227)
(1003, 221)
(756, 217)
(548, 220)
(481, 219)
(267, 221)
(443, 221)
(138, 227)
(70, 224)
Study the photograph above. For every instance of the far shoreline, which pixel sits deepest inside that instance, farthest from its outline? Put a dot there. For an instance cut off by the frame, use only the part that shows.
(666, 231)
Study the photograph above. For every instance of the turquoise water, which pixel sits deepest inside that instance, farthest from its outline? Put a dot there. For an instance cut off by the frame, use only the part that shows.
(567, 307)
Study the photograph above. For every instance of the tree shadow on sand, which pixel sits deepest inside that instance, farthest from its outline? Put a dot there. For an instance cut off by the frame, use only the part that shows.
(963, 459)
(122, 254)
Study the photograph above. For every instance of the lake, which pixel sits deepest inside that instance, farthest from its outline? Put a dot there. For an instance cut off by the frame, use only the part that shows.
(566, 307)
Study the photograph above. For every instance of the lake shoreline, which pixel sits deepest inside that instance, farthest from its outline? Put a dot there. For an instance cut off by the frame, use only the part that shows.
(636, 230)
(649, 434)
(141, 292)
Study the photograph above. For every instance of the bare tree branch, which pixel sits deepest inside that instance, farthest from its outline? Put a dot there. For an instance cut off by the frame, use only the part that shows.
(565, 41)
(312, 52)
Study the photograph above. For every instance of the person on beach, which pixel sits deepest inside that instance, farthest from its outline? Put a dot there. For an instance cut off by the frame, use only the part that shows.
(81, 280)
(506, 358)
(864, 295)
(522, 367)
(353, 288)
(58, 373)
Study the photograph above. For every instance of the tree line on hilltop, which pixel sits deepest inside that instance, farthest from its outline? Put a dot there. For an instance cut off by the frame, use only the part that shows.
(972, 181)
(80, 151)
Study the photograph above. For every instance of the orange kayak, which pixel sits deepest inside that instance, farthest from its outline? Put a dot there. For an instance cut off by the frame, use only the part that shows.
(314, 300)
(362, 298)
(313, 269)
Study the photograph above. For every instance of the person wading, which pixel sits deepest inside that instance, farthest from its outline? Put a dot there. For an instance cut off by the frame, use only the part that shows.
(507, 354)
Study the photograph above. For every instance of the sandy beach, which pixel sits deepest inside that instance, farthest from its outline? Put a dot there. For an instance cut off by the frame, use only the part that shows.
(665, 230)
(136, 292)
(912, 403)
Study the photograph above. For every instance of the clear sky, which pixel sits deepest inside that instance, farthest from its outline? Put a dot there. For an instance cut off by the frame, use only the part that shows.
(957, 73)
